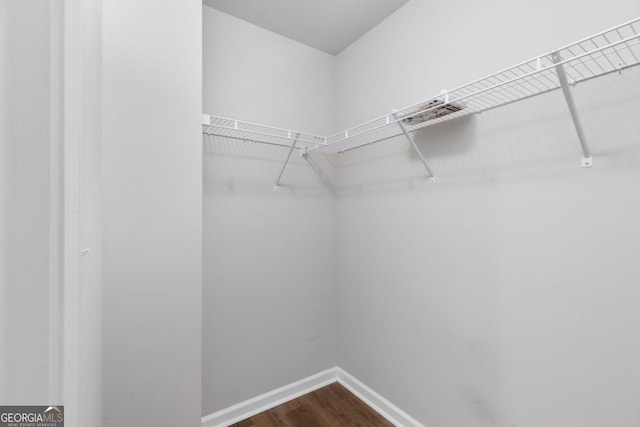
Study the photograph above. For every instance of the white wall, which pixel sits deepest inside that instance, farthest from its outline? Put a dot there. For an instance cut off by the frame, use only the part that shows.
(259, 75)
(152, 188)
(269, 296)
(25, 85)
(505, 294)
(83, 218)
(4, 193)
(4, 190)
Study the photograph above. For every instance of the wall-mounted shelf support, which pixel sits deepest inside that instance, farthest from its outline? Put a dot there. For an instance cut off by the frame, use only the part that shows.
(276, 187)
(587, 160)
(432, 177)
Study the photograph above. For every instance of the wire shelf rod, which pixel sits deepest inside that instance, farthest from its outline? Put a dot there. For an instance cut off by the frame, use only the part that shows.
(617, 52)
(237, 138)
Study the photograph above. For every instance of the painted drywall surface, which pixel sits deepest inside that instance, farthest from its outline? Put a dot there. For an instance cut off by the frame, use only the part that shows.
(4, 193)
(257, 75)
(87, 364)
(269, 296)
(505, 294)
(25, 197)
(152, 198)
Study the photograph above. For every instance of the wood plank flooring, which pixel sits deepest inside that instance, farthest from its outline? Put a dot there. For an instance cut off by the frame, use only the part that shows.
(330, 406)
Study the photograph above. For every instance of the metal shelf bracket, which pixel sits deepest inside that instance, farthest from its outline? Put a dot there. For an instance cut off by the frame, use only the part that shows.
(587, 160)
(276, 187)
(432, 177)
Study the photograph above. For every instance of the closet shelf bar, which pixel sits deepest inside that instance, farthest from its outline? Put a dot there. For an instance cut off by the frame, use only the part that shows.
(255, 141)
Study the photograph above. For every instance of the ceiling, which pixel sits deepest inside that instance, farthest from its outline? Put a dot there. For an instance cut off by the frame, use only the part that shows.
(328, 25)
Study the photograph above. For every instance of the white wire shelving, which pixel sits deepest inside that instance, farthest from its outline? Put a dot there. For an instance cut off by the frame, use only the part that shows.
(254, 132)
(610, 51)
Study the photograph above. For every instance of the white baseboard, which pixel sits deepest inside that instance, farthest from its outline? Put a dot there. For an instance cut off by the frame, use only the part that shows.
(378, 403)
(271, 399)
(266, 401)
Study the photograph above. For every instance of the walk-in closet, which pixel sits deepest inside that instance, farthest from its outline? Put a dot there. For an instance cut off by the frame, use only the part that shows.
(255, 213)
(443, 211)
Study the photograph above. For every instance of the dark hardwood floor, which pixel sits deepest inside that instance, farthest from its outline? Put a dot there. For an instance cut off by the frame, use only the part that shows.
(330, 406)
